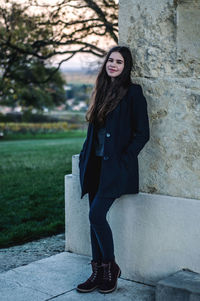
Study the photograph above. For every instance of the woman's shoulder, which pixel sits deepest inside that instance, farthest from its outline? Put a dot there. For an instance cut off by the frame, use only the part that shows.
(135, 93)
(134, 87)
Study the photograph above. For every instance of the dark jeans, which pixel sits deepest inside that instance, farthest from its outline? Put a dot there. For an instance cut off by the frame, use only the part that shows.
(100, 231)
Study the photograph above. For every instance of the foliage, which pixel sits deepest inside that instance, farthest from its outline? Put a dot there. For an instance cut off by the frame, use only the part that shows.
(79, 92)
(72, 133)
(35, 128)
(32, 85)
(32, 34)
(65, 28)
(27, 117)
(25, 79)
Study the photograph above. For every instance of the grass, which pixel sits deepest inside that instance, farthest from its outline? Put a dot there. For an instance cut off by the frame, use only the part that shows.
(32, 185)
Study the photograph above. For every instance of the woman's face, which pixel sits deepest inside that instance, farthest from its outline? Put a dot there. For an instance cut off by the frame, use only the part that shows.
(115, 64)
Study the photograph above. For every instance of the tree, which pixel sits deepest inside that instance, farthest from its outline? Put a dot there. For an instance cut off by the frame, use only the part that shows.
(33, 34)
(65, 28)
(26, 79)
(29, 88)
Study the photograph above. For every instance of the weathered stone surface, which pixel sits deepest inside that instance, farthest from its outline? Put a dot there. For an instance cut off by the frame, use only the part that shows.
(155, 29)
(188, 31)
(154, 234)
(166, 48)
(170, 162)
(183, 285)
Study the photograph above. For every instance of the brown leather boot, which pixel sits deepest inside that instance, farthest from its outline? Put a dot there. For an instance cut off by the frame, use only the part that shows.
(111, 271)
(93, 281)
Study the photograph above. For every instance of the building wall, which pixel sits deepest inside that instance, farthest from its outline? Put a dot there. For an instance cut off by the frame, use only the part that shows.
(156, 232)
(164, 37)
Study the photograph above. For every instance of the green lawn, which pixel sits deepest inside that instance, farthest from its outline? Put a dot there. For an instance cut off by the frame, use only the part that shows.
(32, 186)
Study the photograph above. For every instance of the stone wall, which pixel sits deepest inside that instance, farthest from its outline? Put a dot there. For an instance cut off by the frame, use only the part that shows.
(156, 231)
(164, 37)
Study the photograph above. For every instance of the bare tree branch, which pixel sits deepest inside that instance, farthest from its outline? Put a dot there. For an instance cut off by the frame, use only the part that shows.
(62, 29)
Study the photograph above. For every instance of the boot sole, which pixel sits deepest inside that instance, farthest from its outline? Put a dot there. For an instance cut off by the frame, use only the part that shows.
(81, 290)
(112, 289)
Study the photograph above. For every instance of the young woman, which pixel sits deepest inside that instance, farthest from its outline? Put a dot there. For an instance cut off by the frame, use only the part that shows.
(118, 130)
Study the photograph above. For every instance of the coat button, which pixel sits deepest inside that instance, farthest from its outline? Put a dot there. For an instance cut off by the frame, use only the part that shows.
(107, 134)
(105, 157)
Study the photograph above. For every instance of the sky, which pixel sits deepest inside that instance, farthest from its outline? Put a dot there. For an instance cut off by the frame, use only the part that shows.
(79, 61)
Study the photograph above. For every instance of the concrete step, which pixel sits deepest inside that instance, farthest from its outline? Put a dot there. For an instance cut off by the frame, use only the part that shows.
(56, 278)
(184, 285)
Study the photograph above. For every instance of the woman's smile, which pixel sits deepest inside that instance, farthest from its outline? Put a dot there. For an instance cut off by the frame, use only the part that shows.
(112, 70)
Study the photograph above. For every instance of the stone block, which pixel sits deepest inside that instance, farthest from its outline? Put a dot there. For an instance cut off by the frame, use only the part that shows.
(163, 36)
(188, 31)
(154, 234)
(184, 285)
(170, 162)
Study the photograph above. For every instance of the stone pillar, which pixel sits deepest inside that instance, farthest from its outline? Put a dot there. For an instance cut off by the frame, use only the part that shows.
(164, 37)
(156, 232)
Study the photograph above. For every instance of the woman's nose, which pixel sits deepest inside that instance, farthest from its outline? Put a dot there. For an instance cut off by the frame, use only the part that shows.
(113, 64)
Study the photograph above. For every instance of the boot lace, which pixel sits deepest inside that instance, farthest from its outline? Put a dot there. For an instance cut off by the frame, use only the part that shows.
(107, 276)
(94, 274)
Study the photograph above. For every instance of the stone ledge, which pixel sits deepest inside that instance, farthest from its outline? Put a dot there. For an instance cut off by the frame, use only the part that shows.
(184, 285)
(152, 233)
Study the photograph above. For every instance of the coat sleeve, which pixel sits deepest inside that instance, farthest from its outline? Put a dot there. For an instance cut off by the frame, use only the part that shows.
(81, 152)
(141, 122)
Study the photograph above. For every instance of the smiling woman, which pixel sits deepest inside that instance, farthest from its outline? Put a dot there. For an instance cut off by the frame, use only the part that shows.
(115, 65)
(118, 122)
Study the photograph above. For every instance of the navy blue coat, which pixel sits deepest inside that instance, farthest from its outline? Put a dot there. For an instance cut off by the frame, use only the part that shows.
(127, 131)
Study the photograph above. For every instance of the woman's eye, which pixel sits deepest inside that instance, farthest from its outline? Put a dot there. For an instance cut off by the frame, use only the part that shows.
(118, 62)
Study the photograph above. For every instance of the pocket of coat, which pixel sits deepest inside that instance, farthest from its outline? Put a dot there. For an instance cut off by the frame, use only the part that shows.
(127, 159)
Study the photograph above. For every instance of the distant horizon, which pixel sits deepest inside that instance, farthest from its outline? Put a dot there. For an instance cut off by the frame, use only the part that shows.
(80, 62)
(75, 70)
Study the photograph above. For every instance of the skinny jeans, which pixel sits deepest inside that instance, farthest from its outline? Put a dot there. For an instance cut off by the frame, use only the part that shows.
(100, 231)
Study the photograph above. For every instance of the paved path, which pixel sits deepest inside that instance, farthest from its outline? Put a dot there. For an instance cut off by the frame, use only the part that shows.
(56, 277)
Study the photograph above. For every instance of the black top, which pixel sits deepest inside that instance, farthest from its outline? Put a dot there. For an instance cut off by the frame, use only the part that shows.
(99, 141)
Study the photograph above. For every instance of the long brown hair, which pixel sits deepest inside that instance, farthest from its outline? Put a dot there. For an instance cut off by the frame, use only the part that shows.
(107, 94)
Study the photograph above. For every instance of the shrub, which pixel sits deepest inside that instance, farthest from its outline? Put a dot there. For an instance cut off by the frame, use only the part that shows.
(35, 128)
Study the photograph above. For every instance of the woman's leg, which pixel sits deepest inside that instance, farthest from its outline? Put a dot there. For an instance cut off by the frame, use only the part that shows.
(97, 215)
(96, 251)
